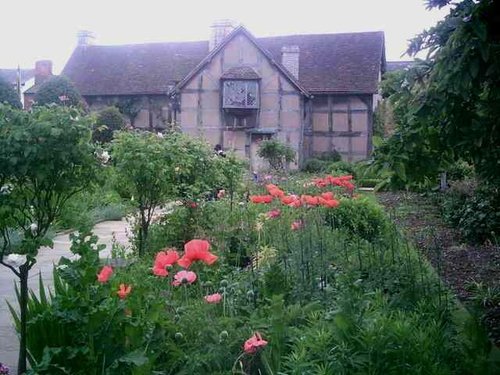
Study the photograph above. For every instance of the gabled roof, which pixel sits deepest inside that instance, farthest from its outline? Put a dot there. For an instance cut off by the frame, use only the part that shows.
(329, 63)
(231, 36)
(10, 75)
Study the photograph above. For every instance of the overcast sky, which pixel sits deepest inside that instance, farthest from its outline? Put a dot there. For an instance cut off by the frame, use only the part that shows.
(31, 30)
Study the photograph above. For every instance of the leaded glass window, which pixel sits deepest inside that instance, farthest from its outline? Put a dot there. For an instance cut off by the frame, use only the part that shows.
(240, 94)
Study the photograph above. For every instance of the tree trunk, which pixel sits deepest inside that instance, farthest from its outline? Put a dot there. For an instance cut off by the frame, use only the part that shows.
(23, 306)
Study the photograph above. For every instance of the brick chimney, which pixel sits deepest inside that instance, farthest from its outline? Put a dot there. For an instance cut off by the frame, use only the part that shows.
(43, 70)
(290, 59)
(220, 29)
(85, 38)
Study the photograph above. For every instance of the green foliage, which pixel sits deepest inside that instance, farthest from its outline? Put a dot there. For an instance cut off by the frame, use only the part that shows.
(108, 121)
(8, 94)
(86, 208)
(448, 107)
(327, 300)
(153, 170)
(314, 165)
(473, 210)
(331, 156)
(277, 154)
(45, 158)
(58, 90)
(361, 218)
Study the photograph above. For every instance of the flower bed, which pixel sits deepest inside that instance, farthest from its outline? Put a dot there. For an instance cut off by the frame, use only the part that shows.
(304, 277)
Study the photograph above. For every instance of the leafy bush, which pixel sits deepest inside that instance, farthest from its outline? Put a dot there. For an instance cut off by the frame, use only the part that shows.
(314, 165)
(108, 121)
(276, 153)
(474, 210)
(8, 95)
(361, 218)
(331, 156)
(340, 168)
(58, 90)
(460, 170)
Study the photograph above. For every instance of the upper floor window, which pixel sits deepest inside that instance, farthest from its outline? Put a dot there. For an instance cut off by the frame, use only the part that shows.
(240, 94)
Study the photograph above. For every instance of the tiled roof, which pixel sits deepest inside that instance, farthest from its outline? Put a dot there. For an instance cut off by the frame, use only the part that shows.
(10, 75)
(342, 63)
(240, 72)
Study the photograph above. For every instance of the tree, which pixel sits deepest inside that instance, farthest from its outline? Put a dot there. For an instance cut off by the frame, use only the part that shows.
(154, 169)
(108, 121)
(451, 102)
(45, 158)
(276, 153)
(58, 90)
(8, 94)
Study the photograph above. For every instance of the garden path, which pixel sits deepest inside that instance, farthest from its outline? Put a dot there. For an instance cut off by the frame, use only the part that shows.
(9, 344)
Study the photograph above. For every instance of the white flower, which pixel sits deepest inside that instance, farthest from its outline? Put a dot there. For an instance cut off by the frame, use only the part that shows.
(104, 157)
(160, 135)
(62, 267)
(6, 189)
(15, 260)
(33, 228)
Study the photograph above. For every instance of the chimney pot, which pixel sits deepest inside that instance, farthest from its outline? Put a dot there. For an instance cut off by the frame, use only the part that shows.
(85, 38)
(43, 70)
(290, 59)
(220, 29)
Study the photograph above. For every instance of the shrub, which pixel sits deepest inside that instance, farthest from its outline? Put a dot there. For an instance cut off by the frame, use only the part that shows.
(361, 218)
(276, 153)
(331, 156)
(8, 95)
(340, 168)
(58, 90)
(474, 210)
(460, 170)
(315, 166)
(108, 121)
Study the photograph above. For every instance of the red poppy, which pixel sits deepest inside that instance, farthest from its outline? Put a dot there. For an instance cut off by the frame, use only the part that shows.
(288, 199)
(163, 260)
(261, 198)
(254, 343)
(124, 291)
(197, 250)
(330, 203)
(184, 277)
(328, 195)
(105, 274)
(309, 200)
(273, 213)
(213, 298)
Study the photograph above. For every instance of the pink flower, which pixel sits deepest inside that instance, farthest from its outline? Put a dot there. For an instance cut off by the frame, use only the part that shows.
(254, 343)
(273, 214)
(221, 193)
(124, 291)
(163, 260)
(213, 298)
(296, 225)
(182, 277)
(105, 274)
(197, 250)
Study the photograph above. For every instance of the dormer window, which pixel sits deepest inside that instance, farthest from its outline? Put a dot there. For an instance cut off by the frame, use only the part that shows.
(240, 94)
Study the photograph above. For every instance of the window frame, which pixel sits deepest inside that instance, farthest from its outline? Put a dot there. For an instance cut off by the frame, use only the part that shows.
(253, 82)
